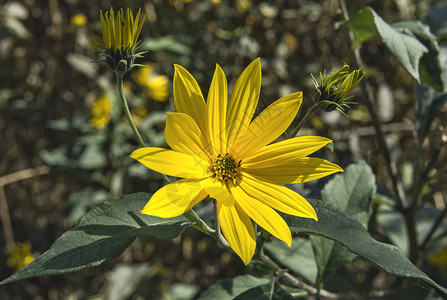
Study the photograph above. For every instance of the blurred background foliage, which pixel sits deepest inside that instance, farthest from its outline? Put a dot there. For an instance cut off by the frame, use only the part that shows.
(62, 124)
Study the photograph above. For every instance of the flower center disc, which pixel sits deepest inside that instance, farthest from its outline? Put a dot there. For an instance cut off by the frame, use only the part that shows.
(225, 168)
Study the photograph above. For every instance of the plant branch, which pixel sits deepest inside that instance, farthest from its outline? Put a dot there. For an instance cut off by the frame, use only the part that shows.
(306, 117)
(291, 280)
(6, 219)
(24, 174)
(433, 229)
(4, 209)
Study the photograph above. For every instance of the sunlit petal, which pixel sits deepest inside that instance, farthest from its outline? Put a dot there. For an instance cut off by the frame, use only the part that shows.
(172, 163)
(299, 170)
(263, 215)
(183, 135)
(277, 197)
(216, 110)
(238, 230)
(220, 192)
(243, 100)
(268, 126)
(188, 97)
(286, 152)
(175, 198)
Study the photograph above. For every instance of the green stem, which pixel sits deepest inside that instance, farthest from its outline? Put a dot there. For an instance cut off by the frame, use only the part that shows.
(303, 121)
(119, 82)
(218, 233)
(192, 216)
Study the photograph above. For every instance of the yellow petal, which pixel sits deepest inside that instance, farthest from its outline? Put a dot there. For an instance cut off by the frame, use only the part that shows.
(263, 215)
(243, 100)
(175, 198)
(220, 192)
(140, 25)
(183, 135)
(282, 152)
(172, 163)
(268, 126)
(278, 197)
(238, 230)
(217, 110)
(294, 171)
(188, 97)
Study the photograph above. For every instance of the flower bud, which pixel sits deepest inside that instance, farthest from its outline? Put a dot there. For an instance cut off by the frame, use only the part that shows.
(333, 91)
(120, 36)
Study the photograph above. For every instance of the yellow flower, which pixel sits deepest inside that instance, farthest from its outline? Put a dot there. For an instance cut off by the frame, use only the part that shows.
(142, 75)
(439, 258)
(139, 116)
(120, 37)
(243, 5)
(101, 110)
(157, 85)
(20, 256)
(79, 20)
(220, 153)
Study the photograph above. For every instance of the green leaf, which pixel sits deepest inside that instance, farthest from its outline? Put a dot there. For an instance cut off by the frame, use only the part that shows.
(265, 292)
(82, 64)
(430, 69)
(181, 291)
(339, 226)
(329, 256)
(166, 43)
(429, 104)
(125, 279)
(102, 234)
(84, 153)
(393, 224)
(351, 192)
(78, 203)
(436, 19)
(406, 48)
(411, 293)
(299, 258)
(227, 289)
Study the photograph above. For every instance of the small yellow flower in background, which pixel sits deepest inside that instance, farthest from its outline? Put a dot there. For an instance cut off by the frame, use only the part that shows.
(143, 74)
(439, 258)
(220, 152)
(79, 20)
(243, 5)
(101, 112)
(141, 113)
(127, 86)
(291, 41)
(20, 255)
(157, 86)
(216, 1)
(120, 37)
